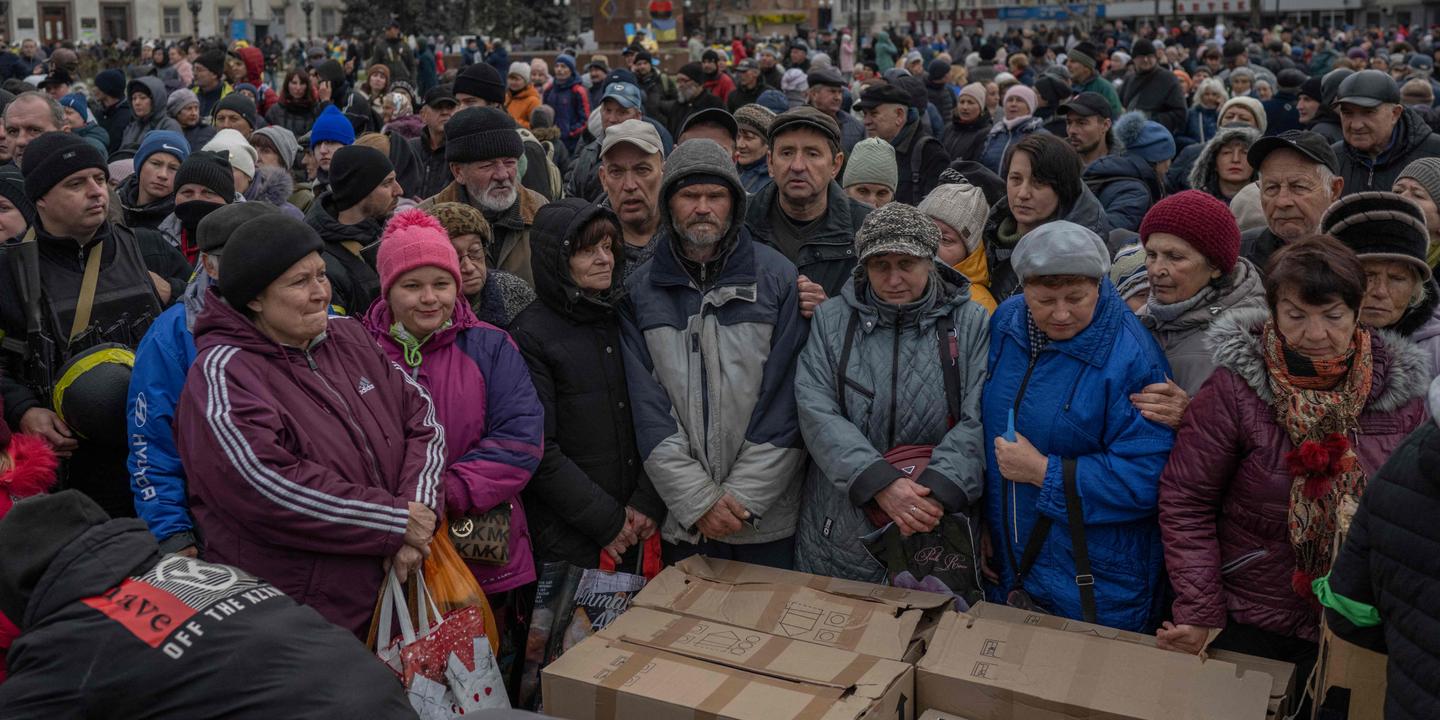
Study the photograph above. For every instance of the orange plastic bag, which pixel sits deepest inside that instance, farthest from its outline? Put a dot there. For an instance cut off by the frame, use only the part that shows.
(453, 586)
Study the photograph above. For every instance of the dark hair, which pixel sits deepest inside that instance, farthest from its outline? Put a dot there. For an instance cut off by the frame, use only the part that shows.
(1319, 269)
(1053, 162)
(309, 87)
(599, 227)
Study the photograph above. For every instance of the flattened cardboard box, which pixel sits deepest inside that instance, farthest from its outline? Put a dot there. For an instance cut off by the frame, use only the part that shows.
(996, 670)
(876, 620)
(660, 666)
(937, 715)
(1282, 674)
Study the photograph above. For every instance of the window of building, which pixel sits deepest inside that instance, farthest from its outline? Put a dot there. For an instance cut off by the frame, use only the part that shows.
(170, 21)
(222, 20)
(329, 21)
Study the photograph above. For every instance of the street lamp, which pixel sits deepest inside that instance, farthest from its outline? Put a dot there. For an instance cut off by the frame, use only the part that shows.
(307, 7)
(565, 26)
(194, 6)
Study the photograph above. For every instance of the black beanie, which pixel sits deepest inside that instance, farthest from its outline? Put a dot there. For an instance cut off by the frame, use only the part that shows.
(208, 169)
(261, 250)
(240, 103)
(476, 134)
(54, 156)
(215, 230)
(1380, 225)
(12, 187)
(214, 61)
(355, 171)
(483, 82)
(693, 71)
(33, 533)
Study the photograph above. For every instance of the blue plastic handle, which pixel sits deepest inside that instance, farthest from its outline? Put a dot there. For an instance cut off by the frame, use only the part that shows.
(1010, 427)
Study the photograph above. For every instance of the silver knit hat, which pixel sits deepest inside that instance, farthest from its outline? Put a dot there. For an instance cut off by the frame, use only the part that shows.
(872, 161)
(896, 228)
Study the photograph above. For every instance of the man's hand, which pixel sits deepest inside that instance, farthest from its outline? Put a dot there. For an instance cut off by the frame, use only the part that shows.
(189, 551)
(421, 527)
(623, 541)
(641, 523)
(1163, 403)
(811, 295)
(1188, 639)
(162, 288)
(406, 561)
(48, 425)
(726, 517)
(906, 503)
(1019, 461)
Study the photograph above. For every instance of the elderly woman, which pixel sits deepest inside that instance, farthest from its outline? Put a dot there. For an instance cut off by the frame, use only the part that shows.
(869, 380)
(1042, 175)
(1196, 276)
(312, 460)
(1306, 404)
(495, 296)
(1388, 232)
(1203, 118)
(1242, 80)
(969, 125)
(482, 393)
(1420, 182)
(590, 495)
(1223, 168)
(1019, 121)
(1244, 110)
(1071, 466)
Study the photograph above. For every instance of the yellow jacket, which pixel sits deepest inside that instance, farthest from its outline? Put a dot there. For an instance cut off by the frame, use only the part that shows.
(977, 271)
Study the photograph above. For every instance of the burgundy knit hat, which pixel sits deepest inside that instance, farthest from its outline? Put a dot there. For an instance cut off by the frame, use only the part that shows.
(1200, 219)
(414, 239)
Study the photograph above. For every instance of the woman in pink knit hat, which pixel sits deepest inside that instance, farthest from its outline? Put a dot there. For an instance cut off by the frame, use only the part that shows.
(483, 396)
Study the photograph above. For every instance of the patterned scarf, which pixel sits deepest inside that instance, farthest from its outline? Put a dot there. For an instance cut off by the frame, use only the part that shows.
(1038, 339)
(1318, 402)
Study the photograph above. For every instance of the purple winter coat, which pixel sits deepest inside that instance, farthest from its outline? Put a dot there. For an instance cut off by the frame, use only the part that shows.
(301, 463)
(494, 425)
(1225, 493)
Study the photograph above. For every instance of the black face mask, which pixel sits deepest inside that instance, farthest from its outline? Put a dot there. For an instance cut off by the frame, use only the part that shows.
(192, 212)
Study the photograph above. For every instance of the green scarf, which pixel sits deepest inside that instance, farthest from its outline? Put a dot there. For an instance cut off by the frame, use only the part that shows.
(409, 345)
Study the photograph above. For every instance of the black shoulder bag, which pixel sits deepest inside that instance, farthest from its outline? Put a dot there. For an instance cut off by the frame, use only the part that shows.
(1018, 597)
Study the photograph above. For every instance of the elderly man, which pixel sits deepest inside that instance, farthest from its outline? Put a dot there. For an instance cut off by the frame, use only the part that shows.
(722, 446)
(632, 165)
(827, 94)
(484, 149)
(804, 213)
(622, 101)
(891, 116)
(1298, 181)
(1382, 136)
(1154, 90)
(27, 117)
(748, 86)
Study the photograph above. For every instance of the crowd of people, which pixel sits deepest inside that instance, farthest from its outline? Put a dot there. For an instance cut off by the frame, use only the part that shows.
(1157, 307)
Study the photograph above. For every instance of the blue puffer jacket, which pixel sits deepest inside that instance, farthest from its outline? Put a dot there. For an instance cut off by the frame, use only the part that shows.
(571, 103)
(1200, 125)
(157, 476)
(1002, 137)
(1076, 407)
(1126, 186)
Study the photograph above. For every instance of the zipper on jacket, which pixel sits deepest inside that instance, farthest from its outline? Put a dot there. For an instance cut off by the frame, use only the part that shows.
(894, 377)
(349, 413)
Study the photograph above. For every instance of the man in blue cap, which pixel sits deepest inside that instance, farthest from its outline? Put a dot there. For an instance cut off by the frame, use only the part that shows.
(622, 101)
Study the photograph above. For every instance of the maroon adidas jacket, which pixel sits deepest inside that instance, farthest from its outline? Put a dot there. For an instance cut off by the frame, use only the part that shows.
(301, 464)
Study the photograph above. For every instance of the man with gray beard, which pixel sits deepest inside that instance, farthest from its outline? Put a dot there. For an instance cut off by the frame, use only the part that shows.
(483, 150)
(711, 330)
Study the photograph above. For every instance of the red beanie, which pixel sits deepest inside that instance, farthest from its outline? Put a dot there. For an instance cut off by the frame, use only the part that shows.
(414, 239)
(1200, 219)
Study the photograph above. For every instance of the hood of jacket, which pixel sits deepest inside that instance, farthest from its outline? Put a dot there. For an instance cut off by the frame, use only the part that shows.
(63, 548)
(551, 246)
(1122, 165)
(332, 230)
(1417, 317)
(1401, 370)
(1203, 174)
(129, 196)
(683, 164)
(1091, 345)
(1245, 291)
(220, 324)
(975, 267)
(159, 96)
(284, 142)
(254, 65)
(1432, 402)
(270, 184)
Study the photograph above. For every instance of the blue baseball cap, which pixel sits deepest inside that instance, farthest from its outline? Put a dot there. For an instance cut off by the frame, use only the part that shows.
(166, 141)
(624, 93)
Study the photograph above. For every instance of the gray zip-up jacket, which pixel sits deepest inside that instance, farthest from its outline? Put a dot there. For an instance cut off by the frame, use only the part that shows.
(894, 395)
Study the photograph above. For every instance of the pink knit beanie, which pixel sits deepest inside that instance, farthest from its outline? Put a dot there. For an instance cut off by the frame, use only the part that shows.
(414, 239)
(1025, 94)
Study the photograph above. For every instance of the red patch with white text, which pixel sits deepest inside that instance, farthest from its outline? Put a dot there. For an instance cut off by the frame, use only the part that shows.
(145, 610)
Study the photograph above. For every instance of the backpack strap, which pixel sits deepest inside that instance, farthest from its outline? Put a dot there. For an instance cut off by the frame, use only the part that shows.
(840, 378)
(1075, 514)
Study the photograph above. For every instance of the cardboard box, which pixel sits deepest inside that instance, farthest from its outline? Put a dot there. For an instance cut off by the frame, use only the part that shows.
(990, 668)
(937, 715)
(1343, 664)
(1282, 674)
(656, 665)
(875, 620)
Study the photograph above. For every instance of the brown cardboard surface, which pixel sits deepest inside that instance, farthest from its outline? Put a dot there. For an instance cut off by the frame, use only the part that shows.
(992, 669)
(1282, 674)
(1343, 664)
(870, 619)
(660, 666)
(937, 715)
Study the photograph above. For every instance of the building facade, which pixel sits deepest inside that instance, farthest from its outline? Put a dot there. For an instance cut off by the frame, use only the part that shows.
(92, 21)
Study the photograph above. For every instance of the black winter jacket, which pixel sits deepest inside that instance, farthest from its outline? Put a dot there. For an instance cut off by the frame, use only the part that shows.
(591, 469)
(1413, 140)
(295, 118)
(354, 284)
(112, 628)
(136, 215)
(828, 258)
(919, 160)
(965, 141)
(1391, 561)
(942, 98)
(1158, 95)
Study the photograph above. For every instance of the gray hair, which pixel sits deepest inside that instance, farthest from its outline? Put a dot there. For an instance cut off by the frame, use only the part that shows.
(57, 113)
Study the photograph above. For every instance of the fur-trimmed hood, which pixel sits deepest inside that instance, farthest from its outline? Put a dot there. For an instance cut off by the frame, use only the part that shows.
(1402, 372)
(1203, 175)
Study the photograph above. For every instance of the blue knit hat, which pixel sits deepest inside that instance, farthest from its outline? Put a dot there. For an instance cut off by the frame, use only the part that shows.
(76, 102)
(332, 126)
(773, 100)
(1146, 138)
(166, 141)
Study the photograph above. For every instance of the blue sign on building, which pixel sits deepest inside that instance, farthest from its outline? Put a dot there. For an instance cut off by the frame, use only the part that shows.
(1050, 13)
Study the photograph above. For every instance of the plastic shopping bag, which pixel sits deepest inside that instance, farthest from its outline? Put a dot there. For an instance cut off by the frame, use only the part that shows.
(445, 663)
(453, 586)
